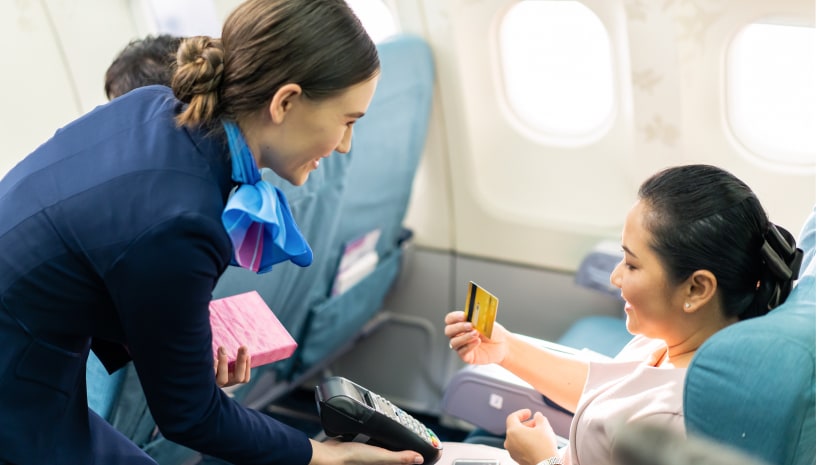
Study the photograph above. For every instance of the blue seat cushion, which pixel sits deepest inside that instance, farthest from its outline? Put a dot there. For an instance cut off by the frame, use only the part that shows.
(606, 335)
(103, 388)
(752, 384)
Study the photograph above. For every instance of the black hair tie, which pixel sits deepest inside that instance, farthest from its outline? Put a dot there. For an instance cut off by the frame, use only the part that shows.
(783, 260)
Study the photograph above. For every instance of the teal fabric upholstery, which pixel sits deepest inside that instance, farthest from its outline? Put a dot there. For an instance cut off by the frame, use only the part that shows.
(102, 387)
(386, 150)
(752, 385)
(606, 335)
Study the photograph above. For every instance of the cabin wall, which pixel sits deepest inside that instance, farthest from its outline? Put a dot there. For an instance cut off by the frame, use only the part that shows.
(517, 212)
(510, 195)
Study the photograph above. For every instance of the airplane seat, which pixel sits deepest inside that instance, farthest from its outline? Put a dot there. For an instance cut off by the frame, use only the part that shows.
(102, 387)
(752, 385)
(385, 154)
(604, 334)
(484, 396)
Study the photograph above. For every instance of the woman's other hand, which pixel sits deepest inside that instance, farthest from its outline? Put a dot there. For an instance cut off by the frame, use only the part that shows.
(528, 439)
(334, 452)
(471, 346)
(240, 373)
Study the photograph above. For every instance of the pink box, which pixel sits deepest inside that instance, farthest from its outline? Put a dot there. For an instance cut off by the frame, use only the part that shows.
(245, 319)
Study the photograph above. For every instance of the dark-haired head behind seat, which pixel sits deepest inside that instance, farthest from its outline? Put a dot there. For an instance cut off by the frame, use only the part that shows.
(143, 62)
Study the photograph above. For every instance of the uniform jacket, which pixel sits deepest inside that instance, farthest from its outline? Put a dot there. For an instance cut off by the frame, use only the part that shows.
(110, 234)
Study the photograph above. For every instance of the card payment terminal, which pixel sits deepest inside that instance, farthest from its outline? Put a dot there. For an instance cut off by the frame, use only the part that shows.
(355, 413)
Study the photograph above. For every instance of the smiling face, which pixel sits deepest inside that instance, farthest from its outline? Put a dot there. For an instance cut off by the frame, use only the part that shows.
(294, 133)
(653, 305)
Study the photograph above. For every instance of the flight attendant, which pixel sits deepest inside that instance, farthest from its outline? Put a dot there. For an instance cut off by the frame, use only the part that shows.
(114, 232)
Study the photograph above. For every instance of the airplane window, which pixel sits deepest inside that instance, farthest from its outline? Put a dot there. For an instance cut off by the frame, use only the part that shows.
(770, 91)
(193, 17)
(376, 18)
(181, 17)
(557, 68)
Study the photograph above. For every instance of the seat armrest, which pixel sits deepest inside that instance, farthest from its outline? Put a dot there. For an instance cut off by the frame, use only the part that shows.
(585, 353)
(484, 395)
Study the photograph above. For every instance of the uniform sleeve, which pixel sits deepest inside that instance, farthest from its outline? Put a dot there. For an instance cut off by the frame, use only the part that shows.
(161, 287)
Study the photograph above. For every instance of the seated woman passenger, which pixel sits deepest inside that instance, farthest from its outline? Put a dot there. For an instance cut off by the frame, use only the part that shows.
(699, 255)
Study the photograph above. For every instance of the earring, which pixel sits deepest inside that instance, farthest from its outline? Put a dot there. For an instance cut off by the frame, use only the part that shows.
(687, 305)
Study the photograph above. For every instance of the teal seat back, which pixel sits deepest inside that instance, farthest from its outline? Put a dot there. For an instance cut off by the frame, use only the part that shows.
(103, 389)
(752, 384)
(386, 149)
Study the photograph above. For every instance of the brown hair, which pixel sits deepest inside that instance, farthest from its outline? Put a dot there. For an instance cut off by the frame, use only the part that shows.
(318, 44)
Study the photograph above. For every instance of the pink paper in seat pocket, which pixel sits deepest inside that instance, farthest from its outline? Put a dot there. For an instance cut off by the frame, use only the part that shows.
(245, 319)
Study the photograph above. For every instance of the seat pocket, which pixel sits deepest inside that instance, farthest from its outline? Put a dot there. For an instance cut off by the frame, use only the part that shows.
(337, 320)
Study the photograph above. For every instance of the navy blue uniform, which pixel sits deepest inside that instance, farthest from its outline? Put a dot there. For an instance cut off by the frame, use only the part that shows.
(110, 233)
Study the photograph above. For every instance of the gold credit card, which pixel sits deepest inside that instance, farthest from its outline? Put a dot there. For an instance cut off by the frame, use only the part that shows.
(480, 309)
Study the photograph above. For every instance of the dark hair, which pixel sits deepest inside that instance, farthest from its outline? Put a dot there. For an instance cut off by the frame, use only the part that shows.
(142, 62)
(702, 217)
(318, 44)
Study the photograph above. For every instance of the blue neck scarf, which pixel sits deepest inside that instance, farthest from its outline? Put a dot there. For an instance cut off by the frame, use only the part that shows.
(257, 216)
